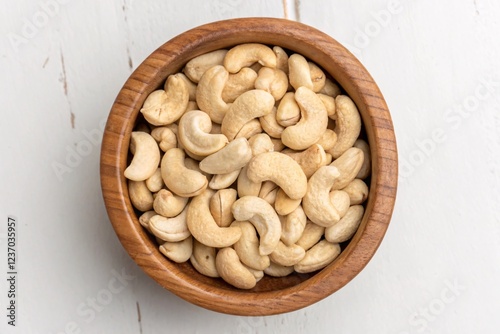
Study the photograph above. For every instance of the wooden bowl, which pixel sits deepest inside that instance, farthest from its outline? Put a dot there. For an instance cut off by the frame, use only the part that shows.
(271, 295)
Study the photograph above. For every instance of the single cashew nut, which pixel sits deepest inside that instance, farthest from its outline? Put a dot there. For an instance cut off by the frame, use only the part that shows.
(191, 86)
(179, 251)
(292, 226)
(329, 103)
(155, 182)
(348, 125)
(330, 89)
(327, 140)
(209, 93)
(164, 107)
(245, 186)
(249, 129)
(146, 156)
(318, 77)
(196, 67)
(299, 72)
(284, 205)
(262, 215)
(347, 226)
(203, 259)
(244, 55)
(203, 226)
(311, 235)
(366, 167)
(238, 84)
(232, 157)
(182, 181)
(232, 270)
(275, 270)
(260, 143)
(357, 191)
(221, 181)
(288, 112)
(349, 165)
(281, 59)
(273, 81)
(194, 134)
(169, 205)
(165, 137)
(318, 257)
(140, 196)
(309, 160)
(341, 201)
(287, 255)
(145, 217)
(247, 247)
(270, 125)
(170, 229)
(220, 206)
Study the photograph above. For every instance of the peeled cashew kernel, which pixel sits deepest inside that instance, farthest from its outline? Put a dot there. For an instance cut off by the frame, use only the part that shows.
(311, 235)
(220, 206)
(179, 251)
(273, 81)
(239, 83)
(275, 270)
(146, 156)
(348, 125)
(181, 180)
(299, 72)
(169, 205)
(357, 191)
(318, 77)
(312, 124)
(341, 201)
(329, 103)
(287, 255)
(270, 125)
(203, 226)
(221, 181)
(309, 160)
(330, 89)
(249, 129)
(247, 247)
(164, 107)
(191, 86)
(209, 93)
(348, 165)
(262, 215)
(196, 67)
(365, 170)
(165, 138)
(260, 143)
(347, 226)
(249, 105)
(232, 270)
(327, 140)
(282, 170)
(318, 257)
(284, 205)
(155, 182)
(281, 59)
(244, 55)
(170, 229)
(140, 196)
(288, 112)
(203, 259)
(145, 217)
(245, 186)
(232, 157)
(194, 134)
(292, 226)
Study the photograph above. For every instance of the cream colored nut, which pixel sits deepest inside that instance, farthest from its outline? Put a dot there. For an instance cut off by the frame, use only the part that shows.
(258, 274)
(165, 137)
(284, 205)
(145, 217)
(273, 81)
(179, 251)
(287, 255)
(146, 156)
(357, 191)
(248, 106)
(190, 85)
(347, 226)
(365, 170)
(327, 140)
(194, 134)
(249, 129)
(221, 181)
(292, 226)
(278, 144)
(348, 164)
(313, 122)
(247, 247)
(164, 107)
(309, 160)
(174, 127)
(209, 93)
(203, 226)
(282, 170)
(170, 229)
(318, 257)
(288, 112)
(330, 89)
(140, 196)
(245, 186)
(232, 157)
(169, 205)
(281, 59)
(318, 77)
(238, 84)
(316, 203)
(179, 179)
(220, 206)
(329, 103)
(196, 67)
(341, 201)
(262, 215)
(155, 182)
(311, 235)
(270, 125)
(275, 270)
(260, 143)
(232, 270)
(299, 72)
(244, 55)
(203, 259)
(348, 125)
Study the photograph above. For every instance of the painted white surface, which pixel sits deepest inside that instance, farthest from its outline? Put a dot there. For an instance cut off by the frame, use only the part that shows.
(431, 60)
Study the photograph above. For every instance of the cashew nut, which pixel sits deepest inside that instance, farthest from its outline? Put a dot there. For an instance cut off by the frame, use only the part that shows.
(245, 186)
(170, 229)
(311, 235)
(341, 201)
(329, 103)
(318, 77)
(292, 226)
(287, 255)
(145, 217)
(284, 205)
(209, 93)
(232, 270)
(327, 140)
(146, 156)
(155, 182)
(348, 125)
(309, 160)
(169, 205)
(249, 129)
(347, 226)
(232, 157)
(203, 259)
(299, 72)
(270, 125)
(348, 164)
(260, 143)
(194, 134)
(140, 196)
(220, 206)
(330, 89)
(357, 191)
(281, 59)
(239, 83)
(196, 67)
(275, 270)
(165, 137)
(244, 55)
(288, 112)
(179, 251)
(247, 247)
(273, 81)
(318, 257)
(190, 85)
(365, 170)
(221, 181)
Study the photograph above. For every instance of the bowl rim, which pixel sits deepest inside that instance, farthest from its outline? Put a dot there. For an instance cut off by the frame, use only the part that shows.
(354, 79)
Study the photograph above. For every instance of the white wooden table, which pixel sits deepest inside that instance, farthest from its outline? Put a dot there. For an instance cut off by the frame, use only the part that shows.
(437, 63)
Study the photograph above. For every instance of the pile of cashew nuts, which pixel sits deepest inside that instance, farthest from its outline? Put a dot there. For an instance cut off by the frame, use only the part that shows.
(249, 162)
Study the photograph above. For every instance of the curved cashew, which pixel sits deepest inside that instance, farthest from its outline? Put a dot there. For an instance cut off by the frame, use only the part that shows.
(348, 125)
(145, 217)
(170, 229)
(281, 59)
(203, 226)
(203, 259)
(244, 55)
(348, 164)
(327, 140)
(270, 125)
(249, 105)
(330, 89)
(260, 143)
(164, 107)
(282, 170)
(182, 181)
(287, 255)
(318, 77)
(366, 167)
(165, 137)
(275, 270)
(273, 81)
(146, 156)
(318, 257)
(140, 196)
(312, 124)
(245, 186)
(284, 205)
(155, 182)
(232, 157)
(357, 191)
(247, 247)
(262, 215)
(292, 226)
(341, 201)
(309, 160)
(249, 129)
(220, 206)
(196, 67)
(288, 112)
(209, 93)
(168, 205)
(239, 83)
(194, 134)
(316, 203)
(311, 235)
(299, 72)
(232, 270)
(347, 226)
(191, 86)
(179, 251)
(329, 103)
(221, 181)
